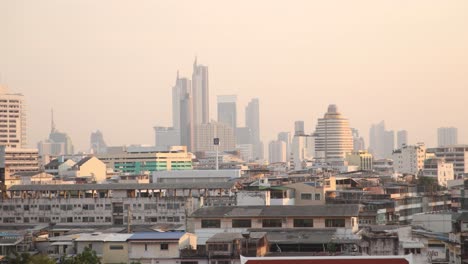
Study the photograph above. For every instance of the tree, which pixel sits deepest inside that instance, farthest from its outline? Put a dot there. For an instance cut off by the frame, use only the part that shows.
(25, 258)
(88, 256)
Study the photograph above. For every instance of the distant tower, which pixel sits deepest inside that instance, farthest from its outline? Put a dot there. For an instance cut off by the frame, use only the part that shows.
(98, 145)
(252, 121)
(299, 128)
(333, 135)
(227, 110)
(402, 138)
(56, 136)
(180, 89)
(447, 136)
(358, 141)
(381, 141)
(200, 95)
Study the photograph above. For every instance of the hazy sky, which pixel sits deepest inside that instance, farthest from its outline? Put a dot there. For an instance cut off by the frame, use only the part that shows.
(110, 65)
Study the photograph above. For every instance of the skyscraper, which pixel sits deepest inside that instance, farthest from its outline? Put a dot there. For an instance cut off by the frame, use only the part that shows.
(98, 145)
(181, 87)
(333, 135)
(186, 121)
(447, 136)
(402, 138)
(13, 122)
(201, 96)
(381, 141)
(252, 121)
(56, 136)
(227, 110)
(299, 128)
(358, 141)
(277, 151)
(286, 138)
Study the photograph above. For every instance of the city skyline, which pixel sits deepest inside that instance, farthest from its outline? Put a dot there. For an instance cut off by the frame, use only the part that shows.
(132, 80)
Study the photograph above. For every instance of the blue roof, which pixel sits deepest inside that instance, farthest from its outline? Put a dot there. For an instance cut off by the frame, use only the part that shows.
(157, 236)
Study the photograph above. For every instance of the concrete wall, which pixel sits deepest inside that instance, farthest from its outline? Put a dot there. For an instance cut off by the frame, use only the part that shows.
(249, 198)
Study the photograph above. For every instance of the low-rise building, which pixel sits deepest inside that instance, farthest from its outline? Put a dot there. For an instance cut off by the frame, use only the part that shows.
(139, 159)
(163, 247)
(361, 158)
(409, 159)
(439, 169)
(111, 248)
(207, 221)
(89, 167)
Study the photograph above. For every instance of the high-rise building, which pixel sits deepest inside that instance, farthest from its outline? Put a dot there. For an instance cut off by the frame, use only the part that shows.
(227, 110)
(286, 138)
(12, 119)
(201, 95)
(333, 135)
(205, 133)
(252, 121)
(166, 137)
(447, 136)
(402, 138)
(186, 121)
(180, 89)
(60, 137)
(358, 141)
(302, 150)
(381, 141)
(299, 128)
(98, 145)
(277, 151)
(243, 135)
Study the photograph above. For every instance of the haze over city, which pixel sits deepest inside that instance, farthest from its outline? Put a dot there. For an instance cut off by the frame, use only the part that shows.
(111, 65)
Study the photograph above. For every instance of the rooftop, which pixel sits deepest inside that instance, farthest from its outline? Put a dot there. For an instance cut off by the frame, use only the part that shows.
(119, 186)
(157, 236)
(336, 210)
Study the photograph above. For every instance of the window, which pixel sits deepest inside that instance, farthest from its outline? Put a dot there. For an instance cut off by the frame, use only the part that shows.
(334, 223)
(306, 196)
(317, 196)
(271, 222)
(116, 247)
(303, 222)
(218, 247)
(164, 246)
(146, 247)
(211, 223)
(241, 223)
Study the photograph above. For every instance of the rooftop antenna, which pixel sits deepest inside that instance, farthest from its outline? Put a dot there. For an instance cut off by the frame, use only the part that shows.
(52, 123)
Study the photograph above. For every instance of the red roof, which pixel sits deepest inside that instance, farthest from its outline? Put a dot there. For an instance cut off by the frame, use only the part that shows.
(330, 260)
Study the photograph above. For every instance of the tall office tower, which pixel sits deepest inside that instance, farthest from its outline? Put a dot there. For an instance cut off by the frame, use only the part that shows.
(333, 135)
(166, 137)
(402, 138)
(299, 128)
(186, 121)
(205, 133)
(381, 141)
(447, 136)
(277, 151)
(252, 121)
(243, 135)
(98, 145)
(201, 95)
(182, 87)
(302, 151)
(12, 119)
(286, 138)
(227, 110)
(60, 137)
(358, 141)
